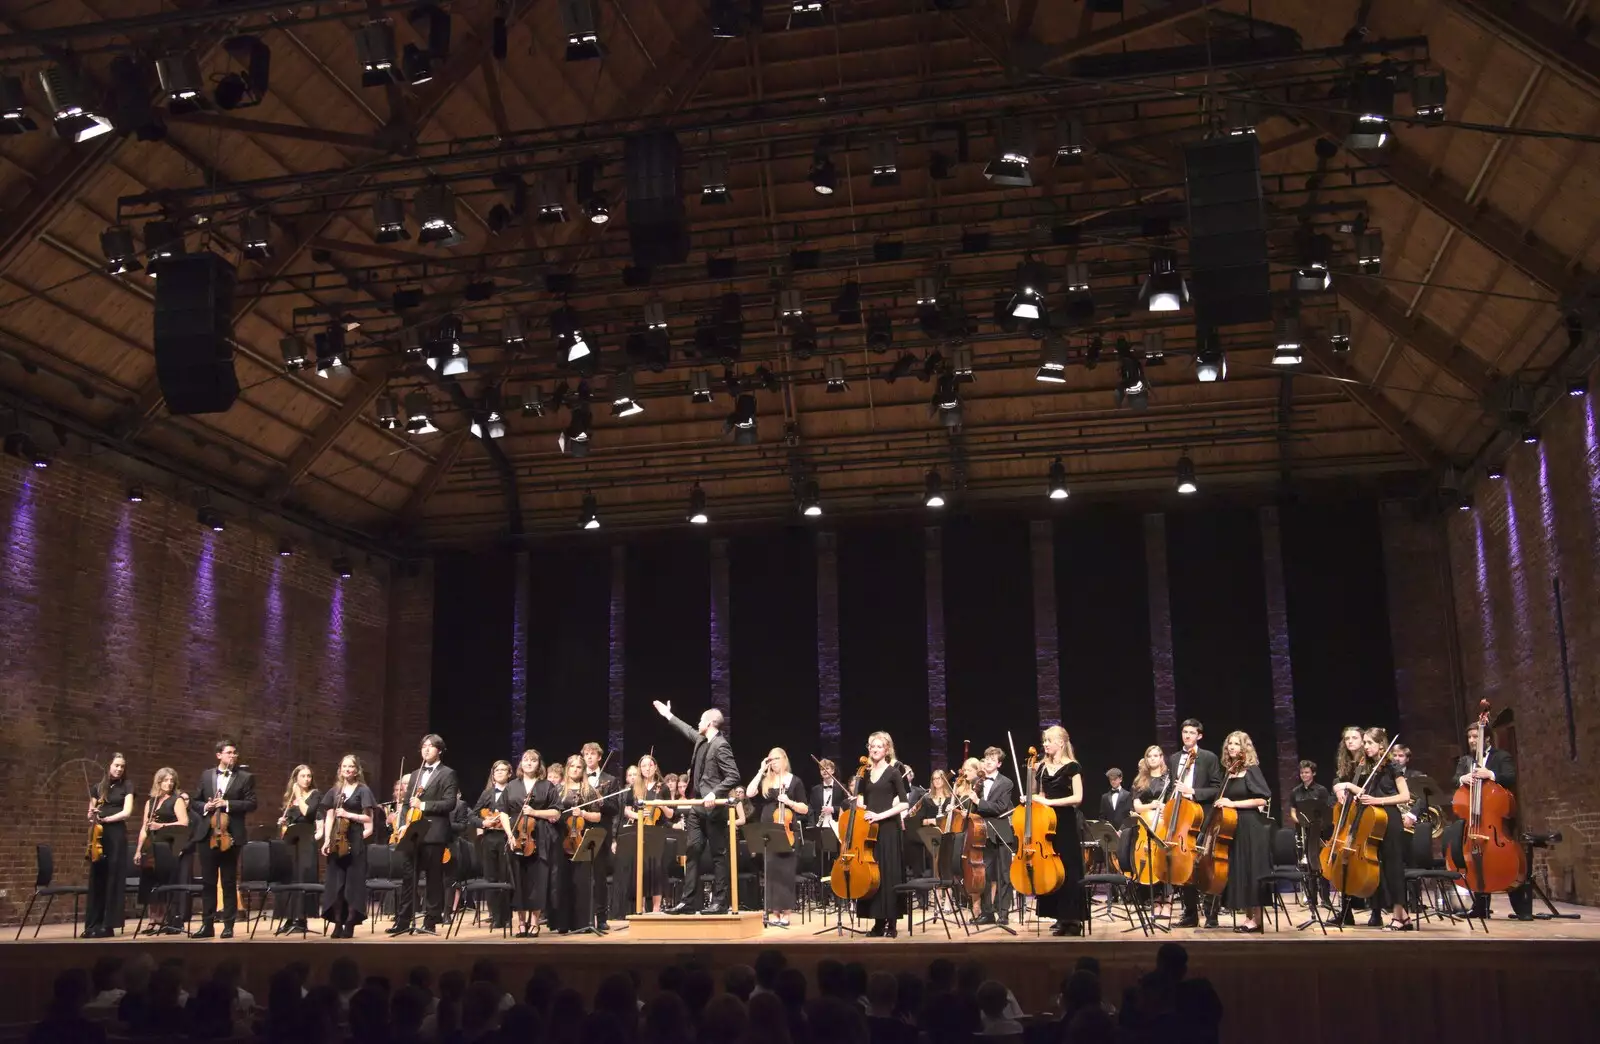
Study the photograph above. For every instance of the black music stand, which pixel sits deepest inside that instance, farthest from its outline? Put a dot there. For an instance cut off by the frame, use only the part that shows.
(1308, 828)
(764, 840)
(588, 850)
(1022, 900)
(839, 927)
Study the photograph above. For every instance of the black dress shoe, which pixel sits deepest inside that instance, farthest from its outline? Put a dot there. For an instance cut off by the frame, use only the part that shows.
(428, 929)
(171, 929)
(715, 908)
(397, 929)
(1188, 921)
(1211, 922)
(525, 933)
(684, 907)
(227, 931)
(984, 919)
(602, 926)
(877, 930)
(205, 931)
(284, 928)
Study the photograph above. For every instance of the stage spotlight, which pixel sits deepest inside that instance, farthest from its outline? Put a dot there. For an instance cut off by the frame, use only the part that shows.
(74, 114)
(1530, 436)
(564, 323)
(1369, 251)
(1339, 331)
(1210, 361)
(388, 412)
(1132, 388)
(833, 375)
(824, 179)
(811, 499)
(552, 204)
(582, 24)
(597, 208)
(1057, 488)
(1015, 153)
(116, 243)
(1287, 347)
(419, 413)
(436, 213)
(1372, 100)
(1427, 95)
(589, 515)
(293, 350)
(342, 568)
(389, 218)
(1052, 362)
(697, 506)
(574, 438)
(714, 179)
(162, 239)
(884, 155)
(1069, 142)
(1028, 300)
(946, 396)
(488, 424)
(14, 118)
(136, 494)
(433, 25)
(1578, 388)
(901, 367)
(791, 304)
(285, 548)
(1312, 275)
(211, 518)
(181, 81)
(847, 306)
(445, 353)
(961, 363)
(332, 359)
(255, 235)
(375, 50)
(803, 339)
(247, 89)
(700, 387)
(1186, 476)
(623, 402)
(741, 422)
(1164, 289)
(1495, 471)
(933, 490)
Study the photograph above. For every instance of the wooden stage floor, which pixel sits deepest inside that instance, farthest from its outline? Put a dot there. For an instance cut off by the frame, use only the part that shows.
(1523, 981)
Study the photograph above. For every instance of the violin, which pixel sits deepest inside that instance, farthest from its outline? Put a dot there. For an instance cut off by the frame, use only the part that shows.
(95, 850)
(522, 840)
(1184, 820)
(405, 815)
(855, 873)
(1349, 859)
(574, 835)
(1494, 860)
(220, 839)
(1036, 867)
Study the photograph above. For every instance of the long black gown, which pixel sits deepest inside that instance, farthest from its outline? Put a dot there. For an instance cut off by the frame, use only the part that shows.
(344, 894)
(880, 795)
(530, 875)
(781, 867)
(572, 884)
(300, 834)
(108, 878)
(624, 877)
(1250, 856)
(1392, 849)
(1065, 904)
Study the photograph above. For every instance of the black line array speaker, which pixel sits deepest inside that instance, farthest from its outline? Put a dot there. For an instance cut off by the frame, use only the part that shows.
(1230, 282)
(194, 333)
(658, 232)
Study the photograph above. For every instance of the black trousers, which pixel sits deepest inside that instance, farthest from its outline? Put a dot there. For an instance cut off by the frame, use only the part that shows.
(216, 864)
(428, 859)
(600, 880)
(496, 867)
(303, 851)
(707, 829)
(998, 901)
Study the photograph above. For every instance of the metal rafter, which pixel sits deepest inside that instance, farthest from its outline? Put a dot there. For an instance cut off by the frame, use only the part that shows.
(1543, 39)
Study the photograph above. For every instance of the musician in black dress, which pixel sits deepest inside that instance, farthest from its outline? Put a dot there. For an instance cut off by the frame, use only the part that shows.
(533, 796)
(1245, 790)
(489, 811)
(642, 782)
(350, 808)
(883, 793)
(300, 828)
(1387, 789)
(110, 805)
(930, 810)
(1501, 769)
(1149, 790)
(1059, 780)
(1308, 813)
(165, 824)
(775, 787)
(572, 903)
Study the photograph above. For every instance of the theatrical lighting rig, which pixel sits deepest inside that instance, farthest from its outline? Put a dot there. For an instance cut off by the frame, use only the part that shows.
(122, 257)
(1057, 488)
(419, 413)
(14, 118)
(1288, 348)
(1132, 388)
(71, 110)
(847, 306)
(623, 400)
(1052, 362)
(574, 438)
(741, 421)
(697, 506)
(1210, 361)
(436, 214)
(791, 304)
(444, 352)
(700, 387)
(341, 567)
(163, 239)
(255, 236)
(880, 330)
(1369, 251)
(488, 424)
(332, 358)
(375, 50)
(136, 494)
(589, 514)
(285, 548)
(933, 490)
(236, 90)
(824, 178)
(388, 412)
(884, 155)
(293, 350)
(552, 202)
(1428, 92)
(1011, 167)
(1164, 289)
(1028, 300)
(810, 499)
(833, 375)
(1186, 483)
(946, 401)
(1069, 142)
(418, 64)
(714, 179)
(389, 218)
(568, 331)
(181, 81)
(1312, 275)
(581, 21)
(1339, 331)
(210, 518)
(1372, 100)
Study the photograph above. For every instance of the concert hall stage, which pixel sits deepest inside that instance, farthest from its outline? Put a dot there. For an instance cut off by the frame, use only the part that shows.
(1521, 982)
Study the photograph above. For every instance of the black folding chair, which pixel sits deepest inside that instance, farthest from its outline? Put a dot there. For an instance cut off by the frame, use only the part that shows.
(1424, 875)
(169, 867)
(280, 880)
(44, 888)
(470, 886)
(1286, 869)
(381, 882)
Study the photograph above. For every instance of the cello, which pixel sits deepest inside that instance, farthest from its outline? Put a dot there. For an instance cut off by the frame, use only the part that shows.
(1494, 861)
(854, 874)
(1349, 859)
(1149, 864)
(1184, 819)
(1216, 842)
(1036, 868)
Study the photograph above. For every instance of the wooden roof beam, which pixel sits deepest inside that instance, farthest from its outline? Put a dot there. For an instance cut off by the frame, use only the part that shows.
(411, 512)
(371, 381)
(1544, 40)
(380, 142)
(1414, 439)
(1126, 30)
(1428, 340)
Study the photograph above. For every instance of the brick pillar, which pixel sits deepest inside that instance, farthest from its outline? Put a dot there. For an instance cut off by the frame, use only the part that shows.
(828, 642)
(1046, 638)
(933, 592)
(1288, 753)
(1155, 565)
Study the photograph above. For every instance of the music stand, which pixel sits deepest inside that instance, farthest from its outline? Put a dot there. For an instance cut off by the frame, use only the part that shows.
(649, 844)
(588, 849)
(839, 927)
(764, 840)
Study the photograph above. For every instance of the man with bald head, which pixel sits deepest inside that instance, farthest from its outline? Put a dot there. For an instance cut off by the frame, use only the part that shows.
(712, 773)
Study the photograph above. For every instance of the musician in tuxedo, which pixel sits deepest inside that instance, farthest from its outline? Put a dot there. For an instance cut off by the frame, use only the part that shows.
(1116, 804)
(997, 796)
(606, 784)
(432, 790)
(230, 789)
(1498, 768)
(712, 775)
(1197, 775)
(825, 801)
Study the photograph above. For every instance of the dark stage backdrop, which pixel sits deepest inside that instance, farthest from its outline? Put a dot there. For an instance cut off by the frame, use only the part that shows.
(920, 612)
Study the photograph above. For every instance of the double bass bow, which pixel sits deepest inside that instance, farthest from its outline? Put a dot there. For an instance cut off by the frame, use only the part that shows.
(1495, 862)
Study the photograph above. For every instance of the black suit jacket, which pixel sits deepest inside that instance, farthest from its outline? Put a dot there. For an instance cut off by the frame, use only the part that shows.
(1500, 763)
(438, 806)
(712, 770)
(1118, 813)
(1207, 775)
(996, 809)
(817, 799)
(241, 798)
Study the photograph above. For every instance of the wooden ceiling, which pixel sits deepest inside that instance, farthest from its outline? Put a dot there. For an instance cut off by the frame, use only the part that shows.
(1489, 230)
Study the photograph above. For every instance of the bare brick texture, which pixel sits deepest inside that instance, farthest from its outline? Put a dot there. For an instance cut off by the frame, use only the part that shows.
(129, 627)
(1539, 523)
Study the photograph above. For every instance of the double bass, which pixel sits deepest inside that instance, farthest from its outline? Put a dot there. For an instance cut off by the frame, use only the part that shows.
(973, 831)
(1349, 859)
(1036, 867)
(855, 874)
(1494, 860)
(1183, 820)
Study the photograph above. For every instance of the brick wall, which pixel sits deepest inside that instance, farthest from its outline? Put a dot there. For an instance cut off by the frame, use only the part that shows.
(129, 627)
(1538, 524)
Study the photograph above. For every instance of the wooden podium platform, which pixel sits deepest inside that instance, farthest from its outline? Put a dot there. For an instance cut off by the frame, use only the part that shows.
(729, 927)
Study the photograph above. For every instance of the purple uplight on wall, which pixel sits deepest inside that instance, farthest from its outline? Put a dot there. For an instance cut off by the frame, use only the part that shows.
(200, 650)
(720, 688)
(273, 629)
(828, 643)
(933, 590)
(1487, 652)
(519, 660)
(334, 651)
(121, 616)
(1516, 563)
(1591, 458)
(1155, 565)
(20, 596)
(1547, 513)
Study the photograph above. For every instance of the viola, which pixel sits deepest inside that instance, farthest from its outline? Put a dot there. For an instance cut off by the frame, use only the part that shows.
(1494, 860)
(1349, 860)
(1036, 867)
(221, 839)
(522, 840)
(95, 850)
(783, 815)
(1184, 819)
(405, 817)
(855, 873)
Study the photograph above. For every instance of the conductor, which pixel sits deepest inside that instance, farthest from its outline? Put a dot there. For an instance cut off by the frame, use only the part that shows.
(712, 773)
